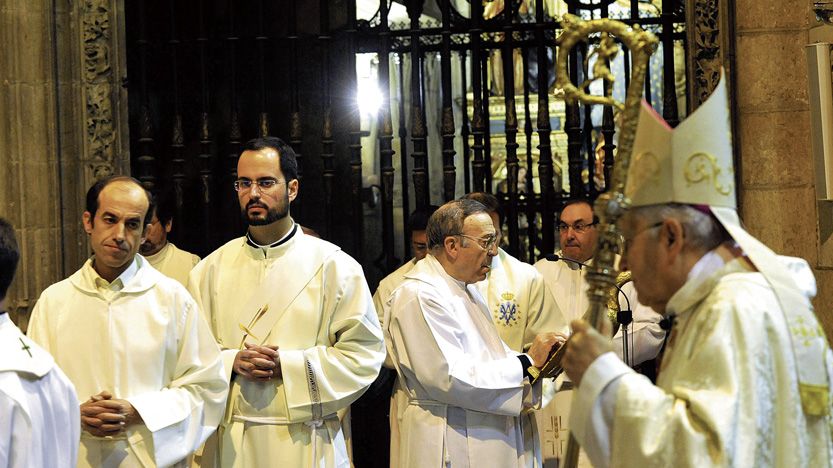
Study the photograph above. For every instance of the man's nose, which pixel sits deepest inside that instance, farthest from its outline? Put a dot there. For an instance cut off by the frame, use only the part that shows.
(118, 233)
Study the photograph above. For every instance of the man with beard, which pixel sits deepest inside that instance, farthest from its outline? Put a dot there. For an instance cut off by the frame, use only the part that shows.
(295, 320)
(161, 254)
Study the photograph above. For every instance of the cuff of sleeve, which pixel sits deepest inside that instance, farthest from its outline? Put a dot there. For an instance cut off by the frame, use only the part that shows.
(153, 410)
(295, 384)
(228, 356)
(602, 371)
(526, 363)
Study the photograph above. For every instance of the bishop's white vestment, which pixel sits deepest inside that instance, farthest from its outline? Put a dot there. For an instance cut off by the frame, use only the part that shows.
(310, 299)
(727, 393)
(39, 417)
(466, 389)
(143, 339)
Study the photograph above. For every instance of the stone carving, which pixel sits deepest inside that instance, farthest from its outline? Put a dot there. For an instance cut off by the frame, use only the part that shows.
(705, 42)
(100, 171)
(98, 89)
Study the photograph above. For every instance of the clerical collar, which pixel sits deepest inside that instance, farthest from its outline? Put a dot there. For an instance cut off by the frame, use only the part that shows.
(282, 240)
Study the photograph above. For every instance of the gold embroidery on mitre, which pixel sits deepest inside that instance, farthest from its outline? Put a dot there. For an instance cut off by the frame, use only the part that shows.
(646, 169)
(507, 312)
(701, 167)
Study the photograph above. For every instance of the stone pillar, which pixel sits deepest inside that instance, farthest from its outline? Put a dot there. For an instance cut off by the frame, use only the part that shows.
(64, 122)
(777, 177)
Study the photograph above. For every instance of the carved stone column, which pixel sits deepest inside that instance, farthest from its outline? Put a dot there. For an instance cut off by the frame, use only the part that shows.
(63, 122)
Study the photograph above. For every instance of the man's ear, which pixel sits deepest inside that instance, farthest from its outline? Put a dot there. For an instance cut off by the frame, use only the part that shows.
(88, 222)
(168, 226)
(673, 237)
(292, 188)
(452, 246)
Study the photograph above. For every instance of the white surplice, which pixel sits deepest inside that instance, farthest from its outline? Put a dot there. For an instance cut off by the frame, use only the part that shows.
(329, 339)
(566, 281)
(387, 285)
(466, 389)
(521, 308)
(143, 339)
(519, 303)
(727, 393)
(173, 262)
(39, 417)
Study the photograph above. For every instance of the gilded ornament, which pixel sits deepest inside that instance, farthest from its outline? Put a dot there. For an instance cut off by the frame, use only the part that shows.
(702, 167)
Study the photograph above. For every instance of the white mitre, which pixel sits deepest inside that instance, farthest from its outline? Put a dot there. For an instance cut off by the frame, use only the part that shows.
(693, 165)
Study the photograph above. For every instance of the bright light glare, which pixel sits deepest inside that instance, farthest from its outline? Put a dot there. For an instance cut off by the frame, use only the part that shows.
(368, 96)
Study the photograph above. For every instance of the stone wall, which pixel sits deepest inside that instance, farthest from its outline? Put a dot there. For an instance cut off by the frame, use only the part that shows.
(778, 197)
(63, 122)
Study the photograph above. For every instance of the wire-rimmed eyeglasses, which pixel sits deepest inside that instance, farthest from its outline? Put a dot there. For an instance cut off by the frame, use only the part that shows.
(264, 185)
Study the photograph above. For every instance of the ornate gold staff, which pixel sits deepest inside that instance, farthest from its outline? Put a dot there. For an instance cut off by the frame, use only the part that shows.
(610, 206)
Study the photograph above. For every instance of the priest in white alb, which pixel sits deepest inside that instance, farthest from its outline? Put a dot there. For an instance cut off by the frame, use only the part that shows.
(745, 379)
(466, 390)
(147, 371)
(295, 319)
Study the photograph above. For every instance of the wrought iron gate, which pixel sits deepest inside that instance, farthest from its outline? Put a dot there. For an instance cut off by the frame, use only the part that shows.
(205, 76)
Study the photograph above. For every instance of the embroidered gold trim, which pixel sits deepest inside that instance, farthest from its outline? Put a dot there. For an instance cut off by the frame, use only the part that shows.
(815, 399)
(701, 167)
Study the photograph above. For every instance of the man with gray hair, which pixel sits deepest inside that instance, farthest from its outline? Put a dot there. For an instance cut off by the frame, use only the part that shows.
(466, 389)
(745, 377)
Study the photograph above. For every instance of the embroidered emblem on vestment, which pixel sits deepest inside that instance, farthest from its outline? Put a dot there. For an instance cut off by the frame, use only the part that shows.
(507, 312)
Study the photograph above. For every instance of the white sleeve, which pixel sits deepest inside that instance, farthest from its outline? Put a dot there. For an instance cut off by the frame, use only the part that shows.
(591, 414)
(14, 426)
(429, 346)
(645, 336)
(185, 412)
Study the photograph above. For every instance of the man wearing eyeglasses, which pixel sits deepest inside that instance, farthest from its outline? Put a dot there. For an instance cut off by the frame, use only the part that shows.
(466, 389)
(746, 375)
(295, 320)
(565, 279)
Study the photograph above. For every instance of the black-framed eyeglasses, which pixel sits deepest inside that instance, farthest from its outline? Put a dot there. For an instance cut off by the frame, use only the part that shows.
(486, 244)
(579, 227)
(265, 184)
